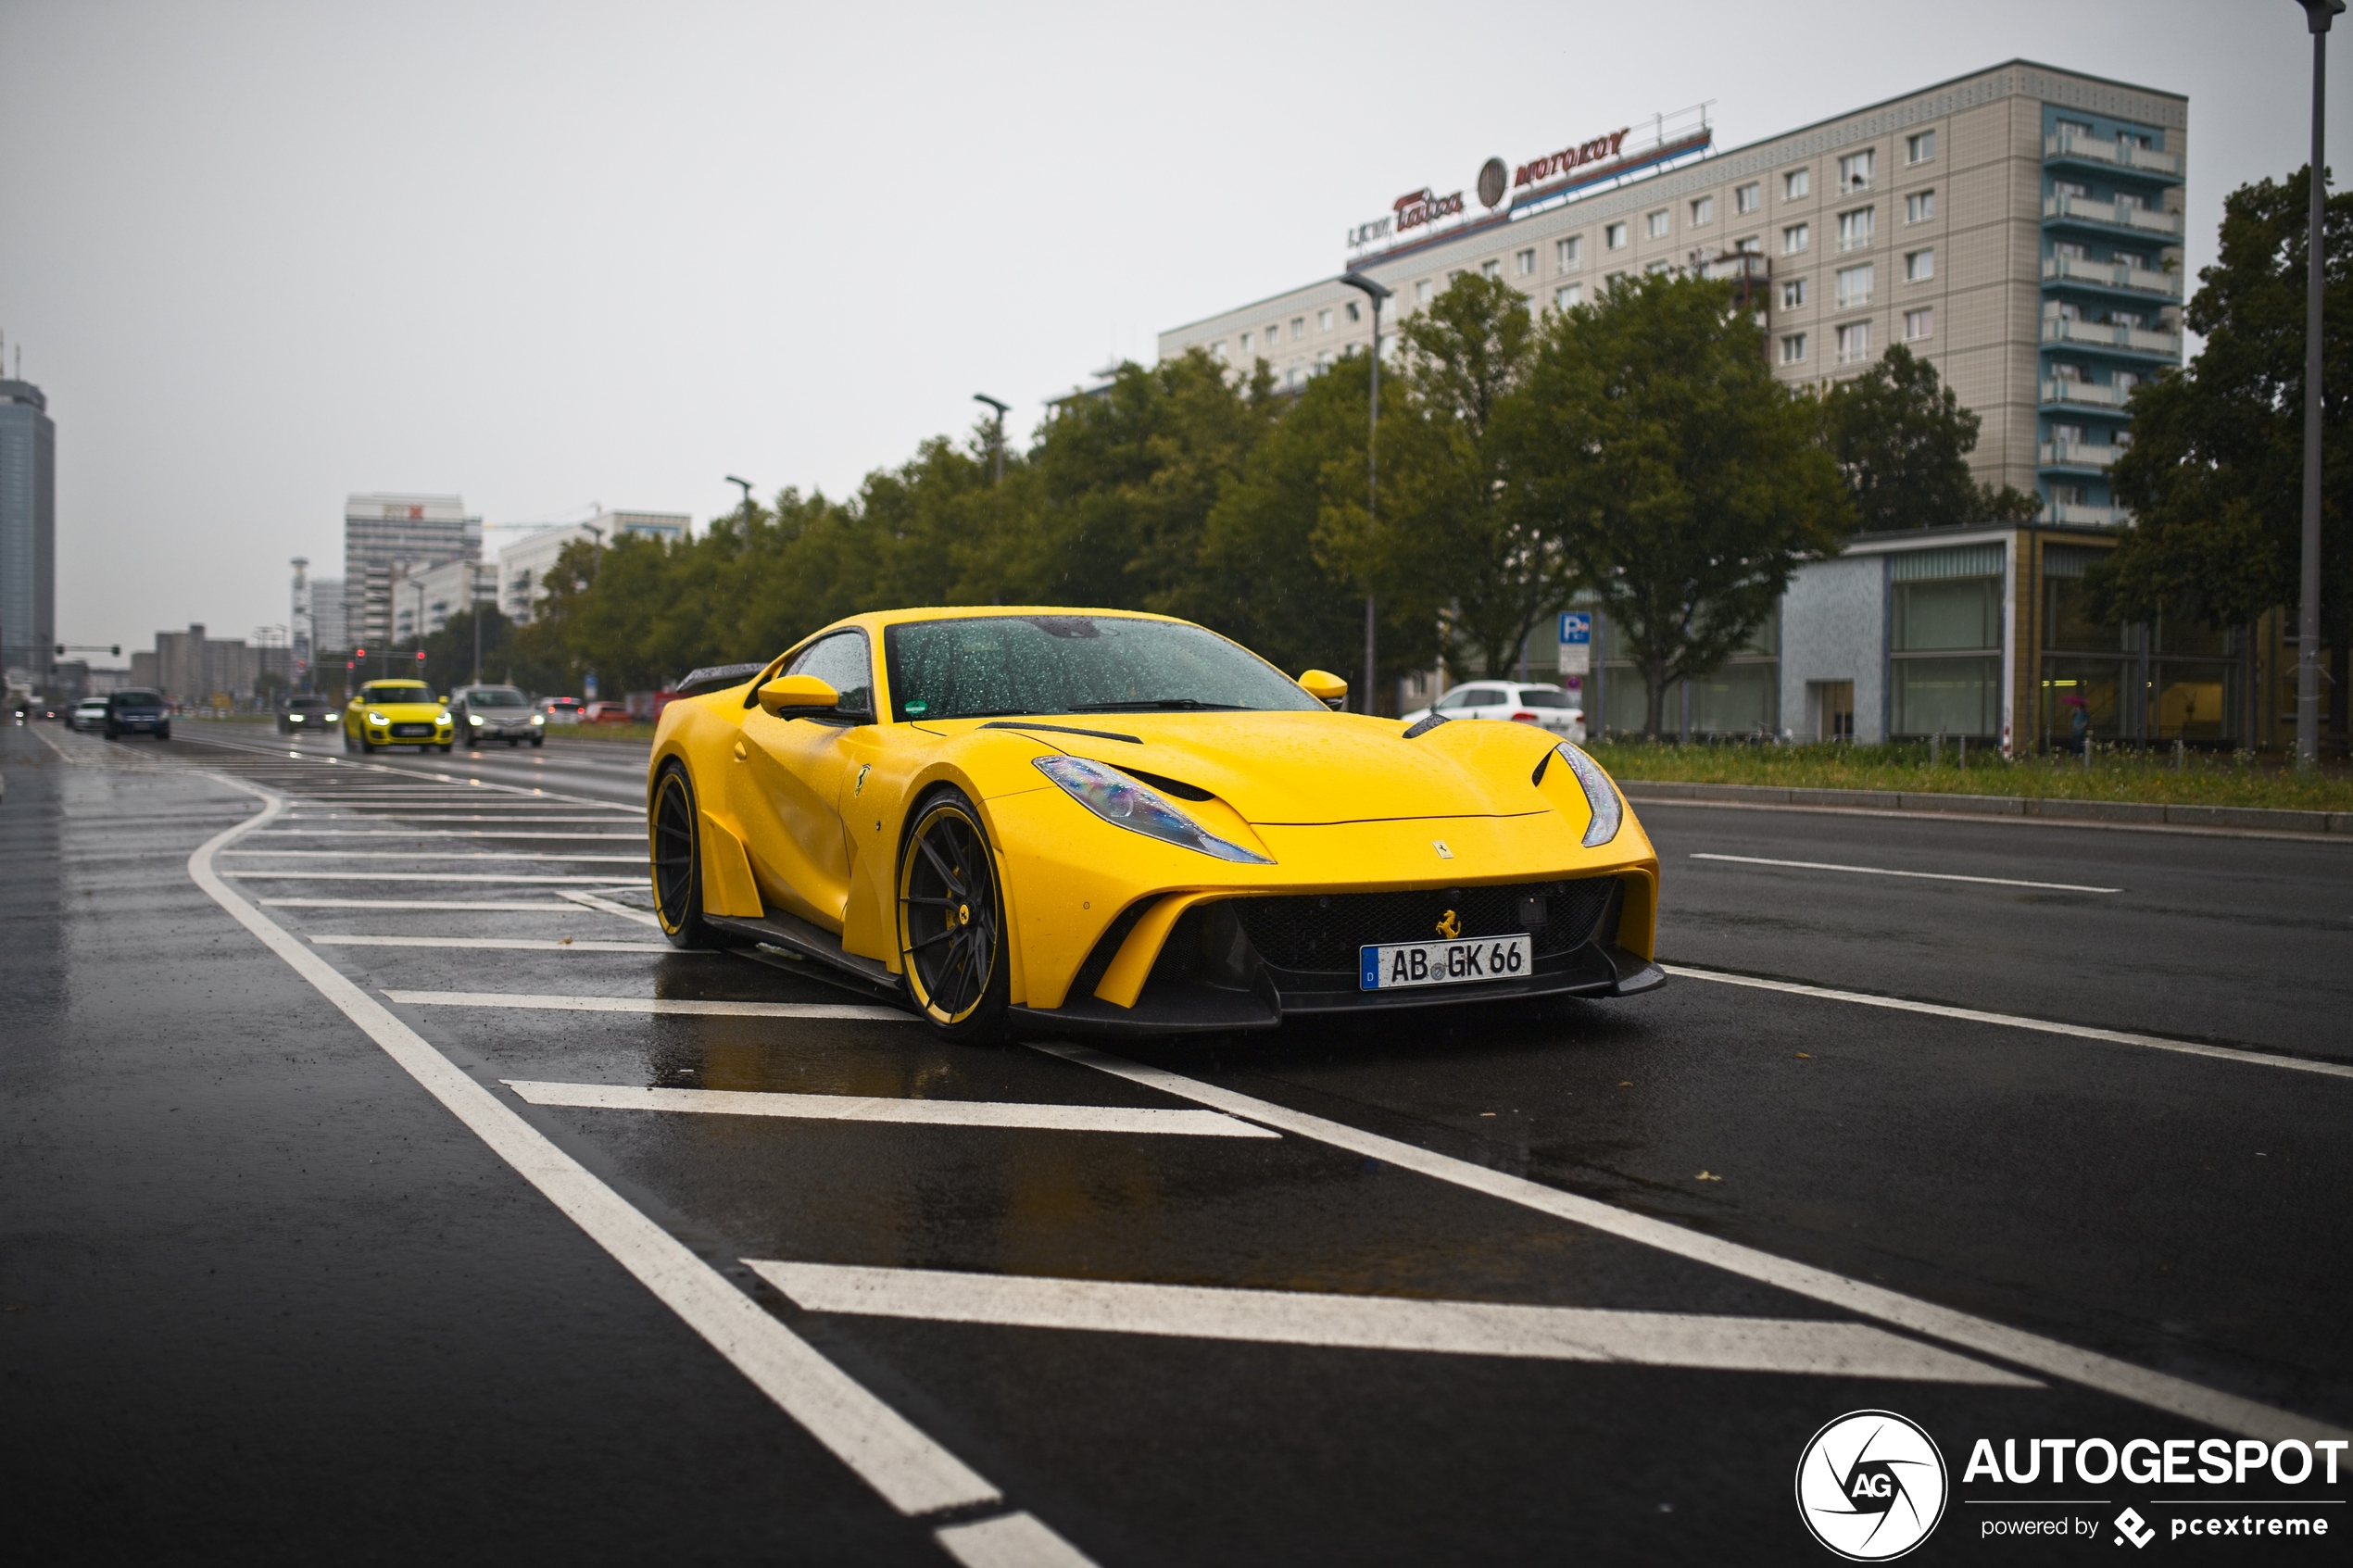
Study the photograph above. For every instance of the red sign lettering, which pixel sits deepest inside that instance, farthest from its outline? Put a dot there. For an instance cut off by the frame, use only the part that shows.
(1600, 149)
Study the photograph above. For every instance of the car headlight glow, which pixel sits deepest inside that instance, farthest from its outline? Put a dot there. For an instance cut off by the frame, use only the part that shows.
(1123, 803)
(1599, 794)
(473, 717)
(377, 718)
(539, 717)
(442, 718)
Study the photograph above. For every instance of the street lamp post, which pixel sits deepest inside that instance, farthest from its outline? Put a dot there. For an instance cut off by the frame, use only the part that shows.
(1374, 293)
(2318, 14)
(747, 489)
(1001, 407)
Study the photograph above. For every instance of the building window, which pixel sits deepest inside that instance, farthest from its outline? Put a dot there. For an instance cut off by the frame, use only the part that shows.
(1703, 211)
(1569, 252)
(1855, 228)
(1920, 266)
(1491, 268)
(1323, 320)
(1525, 261)
(1854, 170)
(1613, 237)
(1567, 298)
(1854, 343)
(1298, 327)
(1661, 265)
(1747, 198)
(1950, 693)
(1920, 323)
(1797, 183)
(1794, 295)
(1245, 343)
(1323, 358)
(1613, 279)
(1795, 238)
(1455, 277)
(1749, 245)
(1421, 292)
(1355, 313)
(1853, 286)
(1793, 349)
(1920, 148)
(1920, 207)
(1657, 222)
(1217, 351)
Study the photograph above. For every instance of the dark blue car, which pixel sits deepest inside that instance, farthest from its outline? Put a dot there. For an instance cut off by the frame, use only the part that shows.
(133, 711)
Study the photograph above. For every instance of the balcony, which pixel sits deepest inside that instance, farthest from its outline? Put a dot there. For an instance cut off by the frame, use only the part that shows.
(2076, 455)
(1736, 267)
(2107, 337)
(2085, 393)
(2076, 512)
(2067, 146)
(2121, 275)
(2064, 209)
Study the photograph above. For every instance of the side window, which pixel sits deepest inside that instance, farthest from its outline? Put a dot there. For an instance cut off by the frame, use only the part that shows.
(841, 661)
(1451, 702)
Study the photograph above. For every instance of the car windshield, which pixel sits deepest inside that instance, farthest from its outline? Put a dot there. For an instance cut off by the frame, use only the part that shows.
(1544, 699)
(495, 696)
(1004, 665)
(137, 699)
(309, 705)
(382, 695)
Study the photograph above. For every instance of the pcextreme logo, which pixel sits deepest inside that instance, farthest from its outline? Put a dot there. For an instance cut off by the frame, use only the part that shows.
(1871, 1486)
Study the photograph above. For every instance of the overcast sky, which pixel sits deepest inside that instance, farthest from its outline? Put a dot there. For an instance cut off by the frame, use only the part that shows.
(261, 256)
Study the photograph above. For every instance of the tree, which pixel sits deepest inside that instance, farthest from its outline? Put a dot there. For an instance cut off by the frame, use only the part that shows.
(2215, 473)
(1903, 440)
(1684, 482)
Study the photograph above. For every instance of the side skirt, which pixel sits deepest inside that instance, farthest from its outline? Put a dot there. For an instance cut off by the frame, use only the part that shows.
(791, 937)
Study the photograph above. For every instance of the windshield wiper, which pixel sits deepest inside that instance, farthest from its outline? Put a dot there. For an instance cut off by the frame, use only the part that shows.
(1167, 704)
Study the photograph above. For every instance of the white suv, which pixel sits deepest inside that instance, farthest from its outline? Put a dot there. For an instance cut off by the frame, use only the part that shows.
(1545, 705)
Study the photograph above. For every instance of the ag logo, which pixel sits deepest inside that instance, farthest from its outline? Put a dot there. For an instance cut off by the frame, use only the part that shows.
(1871, 1486)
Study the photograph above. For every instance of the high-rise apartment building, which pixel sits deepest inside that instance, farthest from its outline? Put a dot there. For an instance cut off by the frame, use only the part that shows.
(524, 565)
(27, 532)
(381, 530)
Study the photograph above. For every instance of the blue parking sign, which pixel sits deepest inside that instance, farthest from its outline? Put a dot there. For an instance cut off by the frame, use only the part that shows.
(1576, 627)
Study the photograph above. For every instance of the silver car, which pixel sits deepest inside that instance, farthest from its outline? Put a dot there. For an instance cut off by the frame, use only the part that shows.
(482, 714)
(1546, 706)
(89, 715)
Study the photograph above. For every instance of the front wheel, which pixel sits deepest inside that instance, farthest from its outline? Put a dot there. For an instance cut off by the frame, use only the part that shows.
(539, 740)
(163, 732)
(951, 922)
(675, 851)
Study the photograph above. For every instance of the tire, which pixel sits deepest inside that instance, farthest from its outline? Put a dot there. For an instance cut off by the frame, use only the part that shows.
(951, 922)
(163, 732)
(111, 735)
(447, 744)
(673, 853)
(539, 741)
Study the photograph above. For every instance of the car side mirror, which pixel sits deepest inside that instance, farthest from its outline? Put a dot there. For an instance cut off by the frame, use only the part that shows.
(1325, 688)
(797, 697)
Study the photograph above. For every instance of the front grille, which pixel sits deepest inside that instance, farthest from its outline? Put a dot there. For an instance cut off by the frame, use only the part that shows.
(412, 729)
(1323, 931)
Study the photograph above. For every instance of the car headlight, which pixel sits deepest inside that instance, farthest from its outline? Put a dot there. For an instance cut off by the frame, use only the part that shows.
(473, 717)
(1599, 794)
(539, 717)
(1122, 802)
(377, 718)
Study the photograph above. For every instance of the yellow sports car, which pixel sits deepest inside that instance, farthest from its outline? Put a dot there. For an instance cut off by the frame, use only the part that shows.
(395, 713)
(1082, 820)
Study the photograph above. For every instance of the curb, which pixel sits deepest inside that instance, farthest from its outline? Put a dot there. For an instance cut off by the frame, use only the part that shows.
(2241, 818)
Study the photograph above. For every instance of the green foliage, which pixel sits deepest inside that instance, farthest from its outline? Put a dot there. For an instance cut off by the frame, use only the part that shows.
(1685, 483)
(1903, 440)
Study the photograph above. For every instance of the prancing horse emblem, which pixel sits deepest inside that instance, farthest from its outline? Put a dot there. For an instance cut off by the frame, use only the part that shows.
(1451, 927)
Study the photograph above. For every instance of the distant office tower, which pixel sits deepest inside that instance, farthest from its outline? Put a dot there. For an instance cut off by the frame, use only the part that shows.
(28, 531)
(328, 622)
(300, 628)
(524, 565)
(382, 531)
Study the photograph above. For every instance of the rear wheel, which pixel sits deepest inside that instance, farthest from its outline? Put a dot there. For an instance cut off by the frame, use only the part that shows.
(951, 922)
(673, 828)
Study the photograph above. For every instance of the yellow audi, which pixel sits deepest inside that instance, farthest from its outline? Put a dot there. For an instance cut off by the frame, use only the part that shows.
(395, 713)
(1096, 822)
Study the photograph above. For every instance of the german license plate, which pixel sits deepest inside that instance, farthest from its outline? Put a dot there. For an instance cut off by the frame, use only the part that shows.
(1396, 966)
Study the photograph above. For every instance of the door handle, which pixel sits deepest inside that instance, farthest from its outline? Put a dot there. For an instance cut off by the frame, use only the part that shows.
(740, 752)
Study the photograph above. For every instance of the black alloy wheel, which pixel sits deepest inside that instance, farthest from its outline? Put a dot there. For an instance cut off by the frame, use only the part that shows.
(676, 865)
(951, 925)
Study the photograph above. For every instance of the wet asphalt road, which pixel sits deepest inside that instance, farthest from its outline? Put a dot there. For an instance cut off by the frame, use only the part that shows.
(268, 1299)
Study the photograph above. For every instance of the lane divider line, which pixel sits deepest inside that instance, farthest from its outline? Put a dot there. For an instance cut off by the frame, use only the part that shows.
(1924, 876)
(2014, 1020)
(560, 1003)
(606, 906)
(1157, 1122)
(477, 906)
(414, 854)
(912, 1472)
(2226, 1412)
(515, 944)
(1813, 1347)
(297, 874)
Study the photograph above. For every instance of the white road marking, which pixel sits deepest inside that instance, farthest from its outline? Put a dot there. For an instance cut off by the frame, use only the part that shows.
(2012, 1021)
(2158, 1390)
(450, 817)
(518, 943)
(911, 1112)
(446, 833)
(1019, 1539)
(414, 854)
(486, 907)
(1383, 1322)
(608, 907)
(299, 875)
(1924, 876)
(913, 1474)
(648, 1004)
